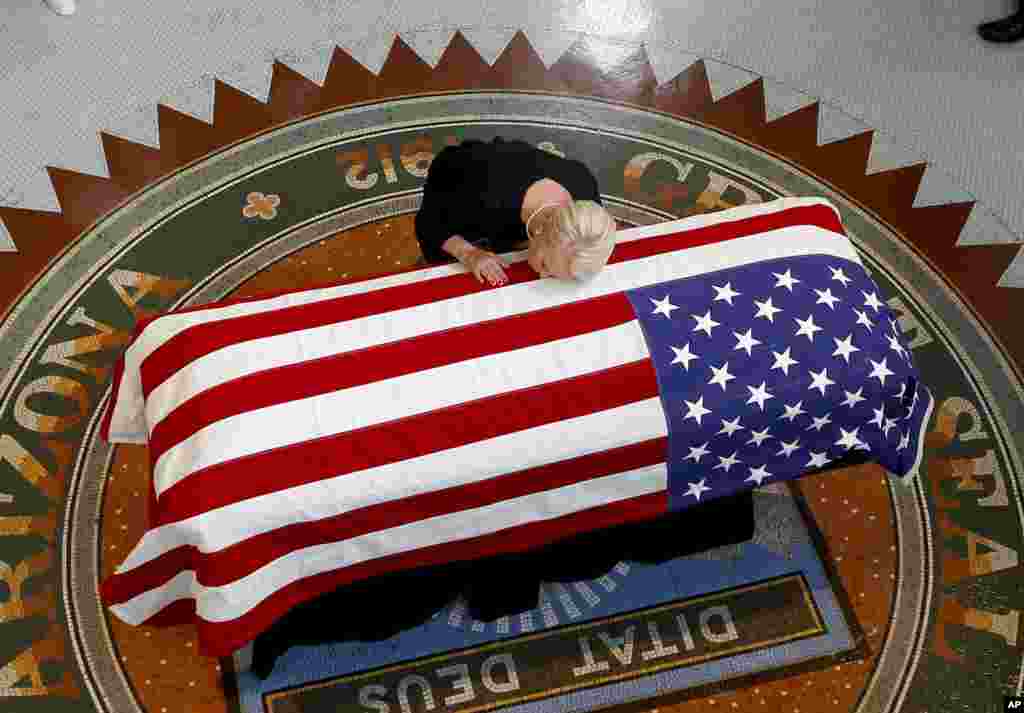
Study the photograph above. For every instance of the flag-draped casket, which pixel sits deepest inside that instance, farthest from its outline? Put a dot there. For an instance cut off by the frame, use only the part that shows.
(309, 439)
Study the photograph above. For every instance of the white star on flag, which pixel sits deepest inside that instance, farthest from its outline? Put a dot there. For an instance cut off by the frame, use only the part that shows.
(894, 344)
(828, 302)
(849, 438)
(845, 348)
(758, 474)
(767, 310)
(698, 452)
(820, 380)
(788, 448)
(759, 395)
(745, 341)
(819, 423)
(684, 356)
(727, 463)
(871, 300)
(663, 306)
(722, 376)
(879, 416)
(793, 411)
(730, 427)
(784, 361)
(695, 489)
(725, 293)
(705, 323)
(837, 274)
(880, 370)
(827, 297)
(696, 410)
(903, 391)
(854, 398)
(862, 318)
(807, 327)
(818, 460)
(900, 349)
(785, 280)
(904, 442)
(913, 405)
(759, 437)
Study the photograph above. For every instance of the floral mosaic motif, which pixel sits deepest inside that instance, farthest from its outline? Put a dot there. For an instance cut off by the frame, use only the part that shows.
(261, 205)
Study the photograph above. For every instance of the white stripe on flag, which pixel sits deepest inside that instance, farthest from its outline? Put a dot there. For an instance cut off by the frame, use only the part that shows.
(295, 422)
(127, 424)
(223, 527)
(230, 601)
(294, 347)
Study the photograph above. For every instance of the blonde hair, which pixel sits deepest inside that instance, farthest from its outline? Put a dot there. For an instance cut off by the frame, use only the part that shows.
(587, 231)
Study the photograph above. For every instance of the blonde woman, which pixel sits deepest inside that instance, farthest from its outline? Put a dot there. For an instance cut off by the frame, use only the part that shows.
(485, 198)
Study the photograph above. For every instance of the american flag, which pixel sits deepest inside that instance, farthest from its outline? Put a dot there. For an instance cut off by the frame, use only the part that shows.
(313, 438)
(768, 371)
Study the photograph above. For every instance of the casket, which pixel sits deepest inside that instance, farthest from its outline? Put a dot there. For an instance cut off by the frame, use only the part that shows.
(305, 440)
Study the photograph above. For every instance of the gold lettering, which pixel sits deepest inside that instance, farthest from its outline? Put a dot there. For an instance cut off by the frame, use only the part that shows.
(28, 664)
(143, 285)
(955, 569)
(55, 385)
(104, 337)
(384, 152)
(637, 167)
(947, 421)
(417, 155)
(31, 471)
(965, 471)
(951, 612)
(44, 525)
(39, 604)
(356, 175)
(711, 197)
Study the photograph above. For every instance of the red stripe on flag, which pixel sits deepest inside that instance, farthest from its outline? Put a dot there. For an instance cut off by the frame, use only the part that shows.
(178, 613)
(405, 438)
(821, 216)
(385, 361)
(222, 567)
(203, 339)
(222, 638)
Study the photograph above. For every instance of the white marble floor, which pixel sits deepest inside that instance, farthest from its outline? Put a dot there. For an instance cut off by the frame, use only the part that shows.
(914, 70)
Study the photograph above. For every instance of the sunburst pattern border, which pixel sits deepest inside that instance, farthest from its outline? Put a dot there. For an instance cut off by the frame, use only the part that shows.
(41, 237)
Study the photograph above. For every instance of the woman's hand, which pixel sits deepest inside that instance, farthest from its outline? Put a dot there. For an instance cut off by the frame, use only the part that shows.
(484, 264)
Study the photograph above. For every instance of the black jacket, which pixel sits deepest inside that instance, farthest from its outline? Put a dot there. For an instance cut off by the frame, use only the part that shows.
(476, 190)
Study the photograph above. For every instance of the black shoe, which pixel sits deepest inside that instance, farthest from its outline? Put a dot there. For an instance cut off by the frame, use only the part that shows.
(1009, 29)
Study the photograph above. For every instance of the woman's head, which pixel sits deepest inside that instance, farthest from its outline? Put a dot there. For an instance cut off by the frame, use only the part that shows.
(571, 240)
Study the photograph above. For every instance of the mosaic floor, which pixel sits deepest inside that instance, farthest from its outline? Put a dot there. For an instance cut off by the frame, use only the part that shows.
(932, 575)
